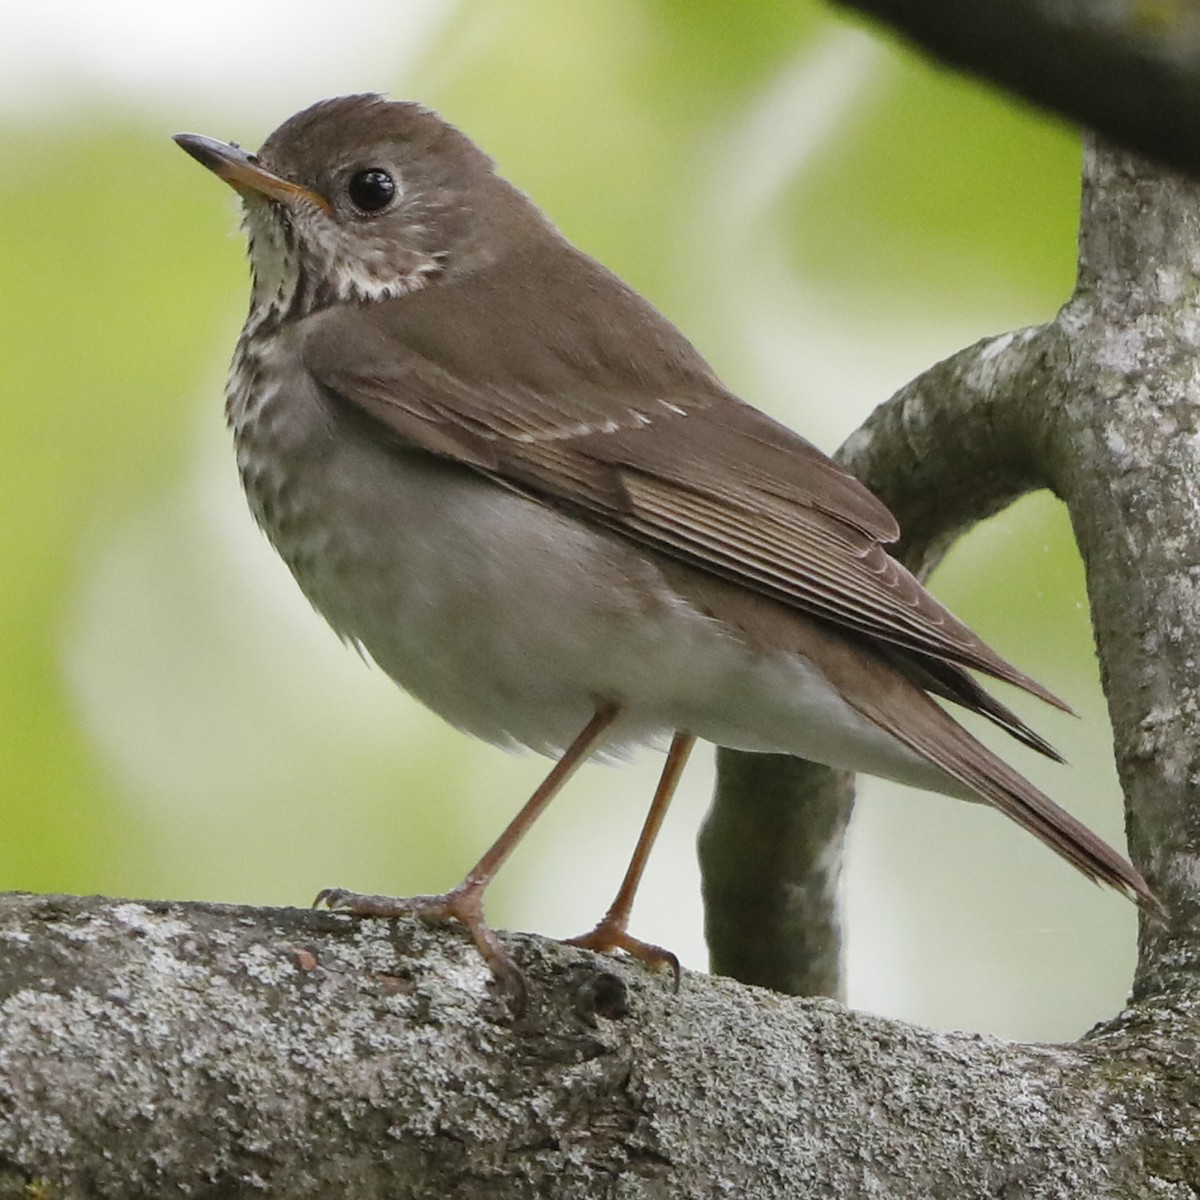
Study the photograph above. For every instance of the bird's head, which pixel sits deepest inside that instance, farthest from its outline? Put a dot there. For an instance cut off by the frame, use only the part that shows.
(359, 199)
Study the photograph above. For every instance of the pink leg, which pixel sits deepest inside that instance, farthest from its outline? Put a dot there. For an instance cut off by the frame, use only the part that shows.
(612, 931)
(464, 903)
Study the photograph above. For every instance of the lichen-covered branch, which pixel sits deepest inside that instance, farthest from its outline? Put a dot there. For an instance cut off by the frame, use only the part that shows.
(150, 1050)
(948, 450)
(1122, 439)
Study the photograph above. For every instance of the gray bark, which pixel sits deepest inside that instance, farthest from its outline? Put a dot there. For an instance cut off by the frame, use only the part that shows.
(771, 851)
(151, 1049)
(1099, 406)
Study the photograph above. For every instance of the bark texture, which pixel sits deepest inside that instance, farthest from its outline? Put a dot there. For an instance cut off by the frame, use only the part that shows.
(1099, 406)
(771, 851)
(151, 1049)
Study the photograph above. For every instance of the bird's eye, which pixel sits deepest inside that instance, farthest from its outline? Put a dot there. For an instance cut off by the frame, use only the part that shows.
(372, 189)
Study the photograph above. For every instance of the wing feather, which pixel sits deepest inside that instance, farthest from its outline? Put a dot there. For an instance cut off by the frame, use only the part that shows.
(624, 424)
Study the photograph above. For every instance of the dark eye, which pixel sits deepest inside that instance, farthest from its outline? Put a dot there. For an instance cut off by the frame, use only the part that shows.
(372, 189)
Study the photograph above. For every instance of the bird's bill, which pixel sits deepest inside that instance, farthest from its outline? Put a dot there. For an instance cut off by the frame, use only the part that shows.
(242, 170)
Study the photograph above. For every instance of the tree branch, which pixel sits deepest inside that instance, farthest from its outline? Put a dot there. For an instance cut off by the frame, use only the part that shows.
(157, 1049)
(948, 450)
(1100, 406)
(1122, 440)
(771, 851)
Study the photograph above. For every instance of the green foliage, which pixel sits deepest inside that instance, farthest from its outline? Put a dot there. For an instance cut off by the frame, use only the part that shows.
(978, 196)
(106, 295)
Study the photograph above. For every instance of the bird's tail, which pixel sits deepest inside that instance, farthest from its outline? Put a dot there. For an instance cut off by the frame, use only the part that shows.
(926, 729)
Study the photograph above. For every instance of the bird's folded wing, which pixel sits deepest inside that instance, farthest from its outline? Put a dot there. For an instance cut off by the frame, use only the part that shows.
(660, 453)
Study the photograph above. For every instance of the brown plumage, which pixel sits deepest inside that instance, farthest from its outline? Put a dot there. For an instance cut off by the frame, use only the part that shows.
(524, 492)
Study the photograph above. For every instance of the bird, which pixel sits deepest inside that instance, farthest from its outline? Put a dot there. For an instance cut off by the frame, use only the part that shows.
(511, 482)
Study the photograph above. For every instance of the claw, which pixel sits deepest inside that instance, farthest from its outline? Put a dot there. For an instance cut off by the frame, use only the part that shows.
(465, 902)
(462, 904)
(609, 936)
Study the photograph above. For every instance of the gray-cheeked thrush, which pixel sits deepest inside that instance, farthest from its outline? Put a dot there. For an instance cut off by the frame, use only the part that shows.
(515, 485)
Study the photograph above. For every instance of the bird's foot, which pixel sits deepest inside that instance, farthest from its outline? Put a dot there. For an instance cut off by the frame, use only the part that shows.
(463, 904)
(610, 934)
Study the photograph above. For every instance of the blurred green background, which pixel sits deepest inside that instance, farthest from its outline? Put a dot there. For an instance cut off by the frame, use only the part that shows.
(822, 213)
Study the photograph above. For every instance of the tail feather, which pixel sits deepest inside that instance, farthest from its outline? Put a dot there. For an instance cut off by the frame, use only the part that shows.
(927, 730)
(953, 683)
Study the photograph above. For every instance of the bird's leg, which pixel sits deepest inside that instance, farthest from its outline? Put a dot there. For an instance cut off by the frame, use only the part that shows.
(464, 903)
(611, 933)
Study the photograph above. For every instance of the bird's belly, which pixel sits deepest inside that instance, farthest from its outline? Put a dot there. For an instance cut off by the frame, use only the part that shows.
(497, 612)
(512, 620)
